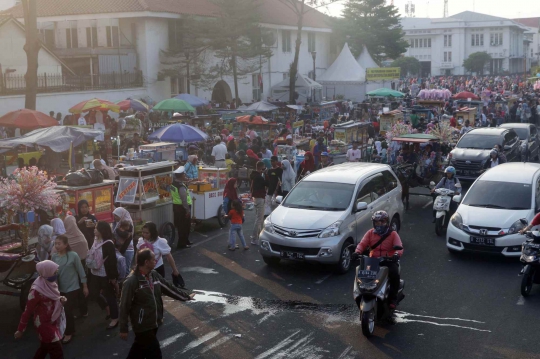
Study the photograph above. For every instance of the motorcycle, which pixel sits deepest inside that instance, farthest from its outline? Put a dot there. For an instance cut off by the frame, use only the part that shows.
(530, 258)
(371, 289)
(441, 206)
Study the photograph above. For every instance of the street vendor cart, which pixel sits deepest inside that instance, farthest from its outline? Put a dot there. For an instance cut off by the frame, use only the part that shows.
(157, 152)
(99, 197)
(351, 131)
(144, 192)
(207, 194)
(466, 113)
(437, 105)
(389, 119)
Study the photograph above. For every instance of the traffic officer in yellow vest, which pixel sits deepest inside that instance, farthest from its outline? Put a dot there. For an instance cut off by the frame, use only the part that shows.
(181, 207)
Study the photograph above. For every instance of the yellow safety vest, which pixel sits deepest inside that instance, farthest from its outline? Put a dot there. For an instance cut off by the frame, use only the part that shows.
(175, 194)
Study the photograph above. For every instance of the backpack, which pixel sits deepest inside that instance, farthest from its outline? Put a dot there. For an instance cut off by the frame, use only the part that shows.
(77, 179)
(121, 266)
(94, 259)
(95, 176)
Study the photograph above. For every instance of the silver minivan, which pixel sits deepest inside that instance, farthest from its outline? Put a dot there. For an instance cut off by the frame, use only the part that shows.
(328, 211)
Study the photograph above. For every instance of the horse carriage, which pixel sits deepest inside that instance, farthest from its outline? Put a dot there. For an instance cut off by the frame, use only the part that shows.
(419, 169)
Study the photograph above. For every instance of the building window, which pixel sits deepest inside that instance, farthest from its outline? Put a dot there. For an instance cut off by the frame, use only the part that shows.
(176, 37)
(447, 40)
(255, 87)
(421, 41)
(415, 42)
(311, 42)
(72, 38)
(47, 37)
(178, 85)
(447, 56)
(429, 42)
(91, 37)
(113, 36)
(286, 41)
(412, 42)
(495, 39)
(477, 40)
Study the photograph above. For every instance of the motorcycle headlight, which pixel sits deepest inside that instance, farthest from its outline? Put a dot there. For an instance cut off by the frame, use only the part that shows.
(526, 258)
(331, 231)
(516, 227)
(268, 227)
(457, 221)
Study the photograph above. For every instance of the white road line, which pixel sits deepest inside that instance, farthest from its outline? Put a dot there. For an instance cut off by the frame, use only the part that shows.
(427, 204)
(521, 300)
(323, 279)
(200, 234)
(201, 340)
(168, 341)
(279, 346)
(216, 343)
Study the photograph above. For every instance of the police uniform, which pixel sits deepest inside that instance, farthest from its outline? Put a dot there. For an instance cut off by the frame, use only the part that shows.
(181, 210)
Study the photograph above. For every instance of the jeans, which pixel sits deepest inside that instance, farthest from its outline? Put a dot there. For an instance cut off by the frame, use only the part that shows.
(129, 254)
(102, 291)
(54, 350)
(236, 229)
(259, 218)
(226, 202)
(145, 346)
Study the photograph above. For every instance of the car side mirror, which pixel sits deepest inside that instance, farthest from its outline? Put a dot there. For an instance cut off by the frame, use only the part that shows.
(457, 198)
(279, 199)
(398, 248)
(361, 206)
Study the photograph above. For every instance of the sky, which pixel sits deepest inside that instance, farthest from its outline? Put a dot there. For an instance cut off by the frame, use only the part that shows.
(434, 8)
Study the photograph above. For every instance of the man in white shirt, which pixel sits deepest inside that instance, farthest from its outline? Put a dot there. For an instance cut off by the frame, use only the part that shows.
(354, 154)
(81, 121)
(266, 153)
(466, 128)
(218, 153)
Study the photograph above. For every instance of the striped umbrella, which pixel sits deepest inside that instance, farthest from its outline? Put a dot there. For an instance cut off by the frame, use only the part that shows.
(94, 104)
(135, 105)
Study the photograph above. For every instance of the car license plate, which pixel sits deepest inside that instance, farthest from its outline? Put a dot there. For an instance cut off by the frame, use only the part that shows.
(369, 274)
(292, 255)
(482, 241)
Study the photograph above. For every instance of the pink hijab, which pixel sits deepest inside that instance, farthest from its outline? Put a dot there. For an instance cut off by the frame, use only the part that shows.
(50, 290)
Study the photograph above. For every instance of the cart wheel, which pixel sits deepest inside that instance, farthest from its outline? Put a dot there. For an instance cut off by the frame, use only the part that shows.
(167, 231)
(25, 290)
(221, 220)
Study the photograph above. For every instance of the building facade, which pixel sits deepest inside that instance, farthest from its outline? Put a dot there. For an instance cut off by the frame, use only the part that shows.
(441, 45)
(533, 26)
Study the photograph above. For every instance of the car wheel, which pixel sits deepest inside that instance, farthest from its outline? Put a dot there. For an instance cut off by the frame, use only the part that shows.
(344, 263)
(271, 261)
(394, 225)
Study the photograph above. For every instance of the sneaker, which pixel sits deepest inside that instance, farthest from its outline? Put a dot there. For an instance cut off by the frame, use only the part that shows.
(246, 248)
(231, 249)
(237, 246)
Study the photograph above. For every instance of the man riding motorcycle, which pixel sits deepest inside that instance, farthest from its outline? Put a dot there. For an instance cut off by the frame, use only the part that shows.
(449, 182)
(381, 229)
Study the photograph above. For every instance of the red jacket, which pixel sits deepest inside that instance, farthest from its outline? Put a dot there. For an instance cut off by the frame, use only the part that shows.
(41, 308)
(387, 246)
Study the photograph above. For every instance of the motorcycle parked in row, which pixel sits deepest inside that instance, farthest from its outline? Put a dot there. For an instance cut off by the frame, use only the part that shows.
(371, 289)
(530, 258)
(441, 206)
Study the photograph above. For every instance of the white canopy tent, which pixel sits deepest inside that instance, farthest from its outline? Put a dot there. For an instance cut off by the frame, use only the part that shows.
(344, 77)
(307, 89)
(365, 60)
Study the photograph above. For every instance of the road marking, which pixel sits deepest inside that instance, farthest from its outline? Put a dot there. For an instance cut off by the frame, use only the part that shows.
(206, 240)
(168, 341)
(521, 300)
(217, 343)
(200, 234)
(427, 204)
(323, 279)
(195, 343)
(200, 270)
(401, 317)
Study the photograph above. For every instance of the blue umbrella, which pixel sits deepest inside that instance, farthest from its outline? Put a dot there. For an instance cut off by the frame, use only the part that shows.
(177, 133)
(192, 100)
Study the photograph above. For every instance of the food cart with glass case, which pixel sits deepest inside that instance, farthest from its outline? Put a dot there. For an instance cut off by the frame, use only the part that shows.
(207, 194)
(99, 197)
(144, 192)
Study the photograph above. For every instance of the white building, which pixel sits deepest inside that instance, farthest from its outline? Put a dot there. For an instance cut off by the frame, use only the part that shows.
(106, 38)
(441, 45)
(533, 26)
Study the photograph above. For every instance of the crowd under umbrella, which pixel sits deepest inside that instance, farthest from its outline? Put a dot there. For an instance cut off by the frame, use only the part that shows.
(174, 105)
(386, 92)
(27, 120)
(94, 104)
(192, 100)
(135, 105)
(177, 133)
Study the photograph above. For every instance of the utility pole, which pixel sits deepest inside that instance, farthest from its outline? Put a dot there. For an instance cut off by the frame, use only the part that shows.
(32, 47)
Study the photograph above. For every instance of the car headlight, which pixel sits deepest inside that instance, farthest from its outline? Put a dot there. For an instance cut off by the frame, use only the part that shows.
(331, 231)
(457, 221)
(268, 227)
(516, 227)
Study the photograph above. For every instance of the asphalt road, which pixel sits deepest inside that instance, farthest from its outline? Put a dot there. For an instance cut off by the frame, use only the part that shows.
(465, 306)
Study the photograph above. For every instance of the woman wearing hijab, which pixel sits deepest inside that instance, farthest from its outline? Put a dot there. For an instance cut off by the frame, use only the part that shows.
(45, 242)
(45, 305)
(83, 221)
(287, 178)
(252, 158)
(306, 166)
(124, 235)
(77, 241)
(58, 228)
(229, 194)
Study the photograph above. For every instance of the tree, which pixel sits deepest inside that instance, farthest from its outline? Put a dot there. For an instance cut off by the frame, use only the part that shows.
(32, 47)
(408, 65)
(300, 8)
(375, 25)
(476, 62)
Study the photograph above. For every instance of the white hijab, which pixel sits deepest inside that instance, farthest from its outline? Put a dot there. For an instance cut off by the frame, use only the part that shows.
(45, 242)
(124, 216)
(288, 171)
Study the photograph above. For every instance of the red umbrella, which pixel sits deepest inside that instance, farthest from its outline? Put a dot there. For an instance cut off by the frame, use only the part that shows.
(27, 120)
(466, 95)
(256, 120)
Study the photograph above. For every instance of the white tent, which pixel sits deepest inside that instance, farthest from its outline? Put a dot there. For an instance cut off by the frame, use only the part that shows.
(365, 60)
(304, 86)
(344, 77)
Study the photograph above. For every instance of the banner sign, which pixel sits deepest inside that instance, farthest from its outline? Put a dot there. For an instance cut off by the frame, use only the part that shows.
(383, 73)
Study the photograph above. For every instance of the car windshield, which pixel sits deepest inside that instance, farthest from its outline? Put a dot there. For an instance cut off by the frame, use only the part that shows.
(479, 141)
(499, 195)
(523, 133)
(322, 196)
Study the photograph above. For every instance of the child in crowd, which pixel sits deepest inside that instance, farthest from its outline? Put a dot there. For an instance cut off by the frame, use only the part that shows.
(236, 215)
(229, 162)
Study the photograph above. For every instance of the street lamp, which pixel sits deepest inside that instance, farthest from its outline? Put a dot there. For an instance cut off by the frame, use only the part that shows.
(314, 55)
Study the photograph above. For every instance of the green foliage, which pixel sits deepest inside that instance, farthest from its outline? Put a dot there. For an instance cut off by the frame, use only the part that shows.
(408, 65)
(476, 62)
(374, 24)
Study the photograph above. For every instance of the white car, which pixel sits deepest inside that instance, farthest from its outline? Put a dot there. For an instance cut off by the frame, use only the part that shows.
(488, 218)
